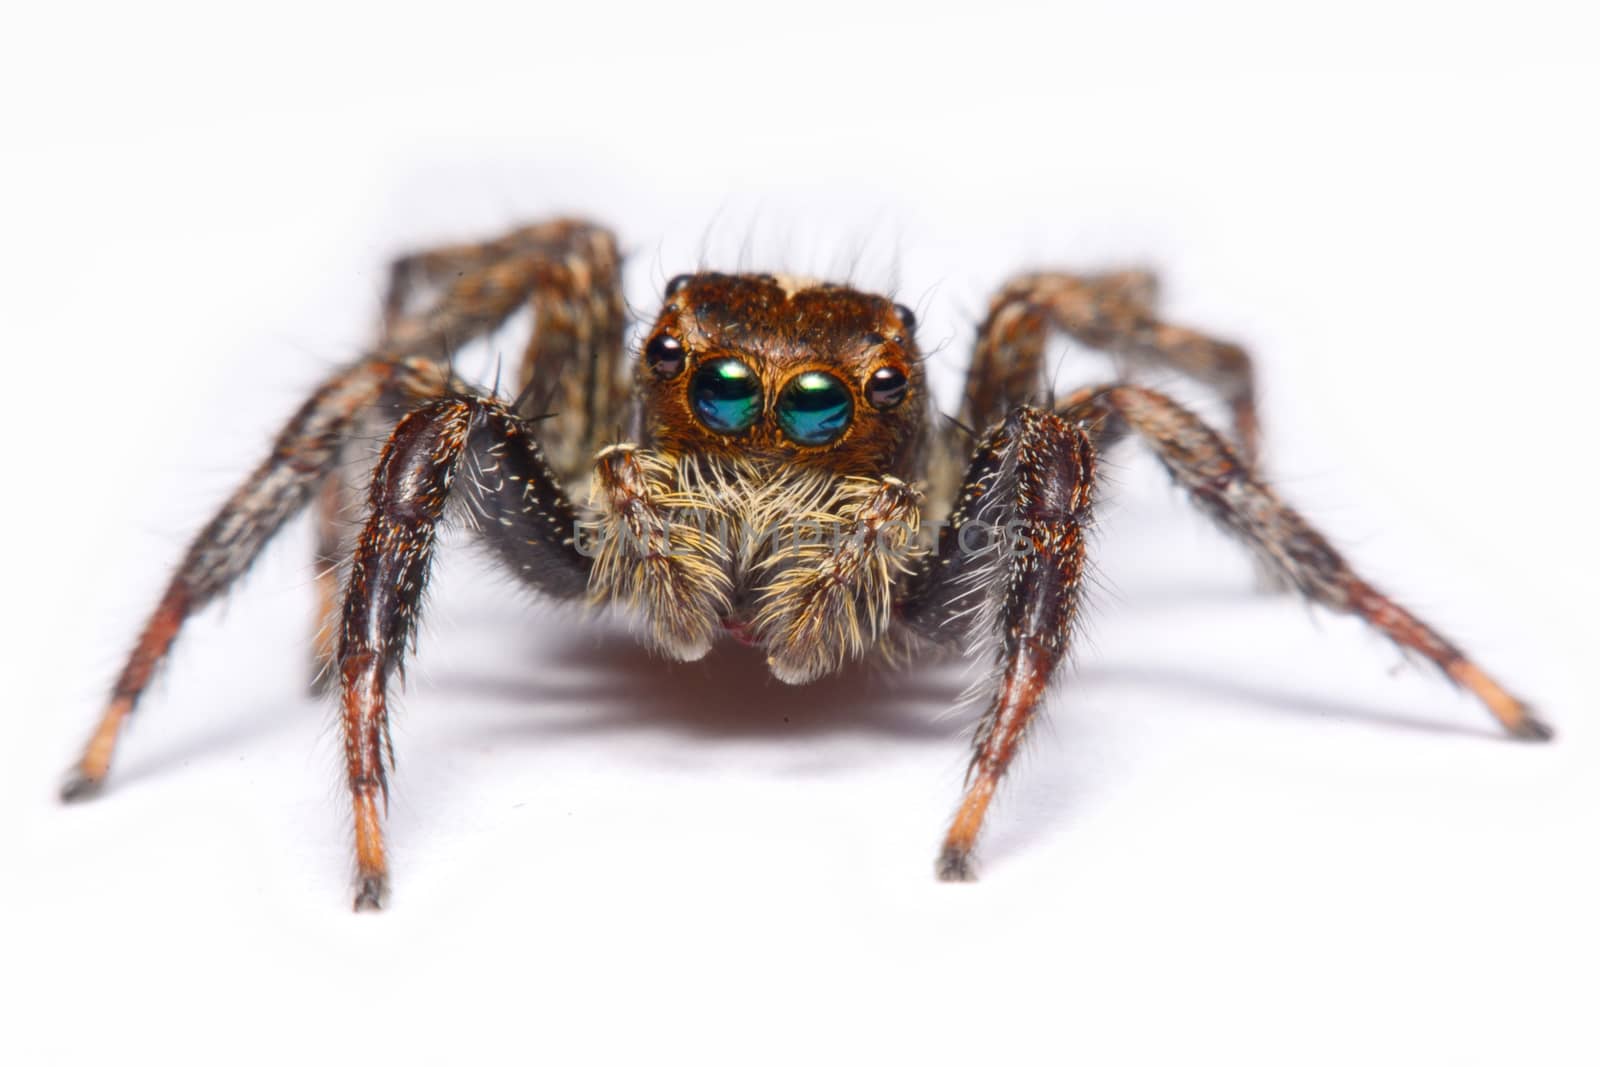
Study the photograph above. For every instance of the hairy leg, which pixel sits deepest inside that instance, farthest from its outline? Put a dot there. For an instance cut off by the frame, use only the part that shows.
(475, 294)
(1225, 487)
(573, 374)
(418, 277)
(1008, 570)
(475, 288)
(458, 447)
(1111, 312)
(572, 368)
(304, 453)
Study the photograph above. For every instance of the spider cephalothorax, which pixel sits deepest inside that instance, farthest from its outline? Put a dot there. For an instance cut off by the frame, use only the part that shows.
(773, 495)
(773, 475)
(787, 370)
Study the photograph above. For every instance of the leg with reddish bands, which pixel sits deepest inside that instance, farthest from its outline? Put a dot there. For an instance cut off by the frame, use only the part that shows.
(469, 447)
(1246, 507)
(1015, 585)
(305, 452)
(1113, 313)
(475, 289)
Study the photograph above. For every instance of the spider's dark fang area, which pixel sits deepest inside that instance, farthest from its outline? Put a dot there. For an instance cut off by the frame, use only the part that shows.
(664, 355)
(814, 408)
(886, 388)
(726, 395)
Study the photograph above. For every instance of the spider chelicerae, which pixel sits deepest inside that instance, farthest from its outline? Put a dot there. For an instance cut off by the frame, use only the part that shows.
(770, 467)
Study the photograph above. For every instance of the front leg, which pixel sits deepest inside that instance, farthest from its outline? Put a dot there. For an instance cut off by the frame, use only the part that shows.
(526, 520)
(1009, 568)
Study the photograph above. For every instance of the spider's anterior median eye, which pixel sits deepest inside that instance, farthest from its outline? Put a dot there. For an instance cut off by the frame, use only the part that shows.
(726, 395)
(886, 388)
(664, 354)
(814, 408)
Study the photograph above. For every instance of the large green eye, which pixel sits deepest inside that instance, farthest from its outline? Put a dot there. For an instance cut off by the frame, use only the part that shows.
(814, 408)
(726, 395)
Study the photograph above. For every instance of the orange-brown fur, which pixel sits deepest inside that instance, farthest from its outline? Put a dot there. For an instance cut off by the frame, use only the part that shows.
(782, 332)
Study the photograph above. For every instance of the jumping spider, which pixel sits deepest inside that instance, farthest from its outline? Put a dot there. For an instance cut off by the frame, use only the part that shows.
(758, 404)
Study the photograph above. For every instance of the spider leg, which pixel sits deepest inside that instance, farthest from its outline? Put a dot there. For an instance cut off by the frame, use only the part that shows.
(1009, 569)
(461, 447)
(303, 454)
(482, 285)
(1110, 312)
(1225, 487)
(572, 373)
(416, 273)
(409, 275)
(476, 293)
(570, 274)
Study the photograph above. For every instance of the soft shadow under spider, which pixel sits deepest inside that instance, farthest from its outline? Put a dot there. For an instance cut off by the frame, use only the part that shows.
(610, 682)
(614, 683)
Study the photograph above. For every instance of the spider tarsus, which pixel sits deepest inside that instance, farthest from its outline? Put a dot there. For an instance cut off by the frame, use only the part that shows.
(372, 893)
(79, 786)
(1532, 728)
(955, 865)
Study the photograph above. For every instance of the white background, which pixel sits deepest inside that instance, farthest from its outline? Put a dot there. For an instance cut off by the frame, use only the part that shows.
(1246, 834)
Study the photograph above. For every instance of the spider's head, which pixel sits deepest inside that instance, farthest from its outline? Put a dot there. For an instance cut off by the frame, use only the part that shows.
(794, 370)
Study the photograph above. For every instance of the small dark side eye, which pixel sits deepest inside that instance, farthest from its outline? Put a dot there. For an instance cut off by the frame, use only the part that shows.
(886, 388)
(907, 316)
(664, 355)
(678, 282)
